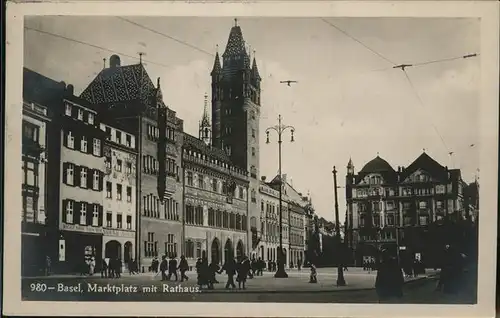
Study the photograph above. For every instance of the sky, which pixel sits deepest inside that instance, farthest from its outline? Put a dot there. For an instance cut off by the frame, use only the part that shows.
(348, 103)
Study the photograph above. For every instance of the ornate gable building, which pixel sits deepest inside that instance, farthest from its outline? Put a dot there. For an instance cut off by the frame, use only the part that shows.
(126, 97)
(389, 208)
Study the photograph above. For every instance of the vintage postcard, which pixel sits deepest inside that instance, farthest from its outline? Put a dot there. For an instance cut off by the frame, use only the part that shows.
(251, 159)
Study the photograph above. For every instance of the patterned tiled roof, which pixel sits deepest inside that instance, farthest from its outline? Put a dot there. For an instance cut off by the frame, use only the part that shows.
(235, 44)
(120, 84)
(217, 67)
(255, 70)
(191, 142)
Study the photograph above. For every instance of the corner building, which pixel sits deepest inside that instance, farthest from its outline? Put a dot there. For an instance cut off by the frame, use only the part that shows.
(396, 209)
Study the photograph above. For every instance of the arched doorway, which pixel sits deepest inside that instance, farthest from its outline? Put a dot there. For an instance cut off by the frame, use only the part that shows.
(240, 250)
(215, 251)
(228, 250)
(113, 250)
(127, 255)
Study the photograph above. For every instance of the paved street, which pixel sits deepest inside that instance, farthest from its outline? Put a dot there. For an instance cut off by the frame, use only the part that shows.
(296, 288)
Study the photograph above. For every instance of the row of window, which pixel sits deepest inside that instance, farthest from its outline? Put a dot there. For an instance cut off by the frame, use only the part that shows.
(152, 166)
(82, 213)
(119, 189)
(296, 239)
(390, 220)
(377, 206)
(406, 191)
(119, 165)
(79, 113)
(118, 137)
(83, 177)
(154, 133)
(151, 246)
(154, 208)
(81, 143)
(214, 185)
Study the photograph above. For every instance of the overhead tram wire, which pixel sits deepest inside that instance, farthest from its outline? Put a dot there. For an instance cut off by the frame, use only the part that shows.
(166, 36)
(358, 41)
(404, 66)
(95, 46)
(421, 102)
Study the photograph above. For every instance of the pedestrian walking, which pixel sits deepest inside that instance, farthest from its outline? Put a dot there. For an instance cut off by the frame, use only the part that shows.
(313, 275)
(183, 267)
(213, 269)
(230, 268)
(299, 264)
(48, 265)
(163, 267)
(390, 280)
(172, 268)
(244, 268)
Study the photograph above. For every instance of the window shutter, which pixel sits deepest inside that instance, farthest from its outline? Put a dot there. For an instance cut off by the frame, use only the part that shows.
(64, 205)
(78, 141)
(76, 212)
(101, 180)
(90, 178)
(100, 215)
(76, 178)
(90, 214)
(65, 172)
(65, 138)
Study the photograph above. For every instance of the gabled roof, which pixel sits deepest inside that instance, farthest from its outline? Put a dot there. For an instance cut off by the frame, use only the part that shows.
(191, 142)
(40, 89)
(426, 163)
(120, 84)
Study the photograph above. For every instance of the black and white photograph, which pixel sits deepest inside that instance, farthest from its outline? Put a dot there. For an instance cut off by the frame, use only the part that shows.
(257, 159)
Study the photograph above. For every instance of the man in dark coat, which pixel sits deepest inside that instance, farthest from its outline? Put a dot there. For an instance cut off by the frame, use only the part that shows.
(230, 268)
(390, 280)
(183, 267)
(172, 268)
(163, 267)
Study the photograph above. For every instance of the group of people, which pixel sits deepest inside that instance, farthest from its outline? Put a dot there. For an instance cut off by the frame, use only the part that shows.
(390, 275)
(170, 267)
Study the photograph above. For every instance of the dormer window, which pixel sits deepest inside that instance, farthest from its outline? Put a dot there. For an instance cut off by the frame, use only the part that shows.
(80, 114)
(68, 110)
(91, 118)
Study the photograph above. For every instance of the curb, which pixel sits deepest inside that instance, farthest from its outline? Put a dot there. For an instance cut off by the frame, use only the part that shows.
(224, 291)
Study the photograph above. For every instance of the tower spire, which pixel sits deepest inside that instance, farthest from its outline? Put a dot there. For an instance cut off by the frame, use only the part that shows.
(205, 131)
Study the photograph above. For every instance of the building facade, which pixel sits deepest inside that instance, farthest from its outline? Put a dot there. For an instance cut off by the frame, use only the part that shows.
(34, 186)
(394, 208)
(295, 207)
(120, 202)
(81, 176)
(127, 98)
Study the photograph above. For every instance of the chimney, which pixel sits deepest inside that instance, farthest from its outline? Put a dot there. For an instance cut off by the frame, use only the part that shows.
(263, 178)
(114, 61)
(70, 89)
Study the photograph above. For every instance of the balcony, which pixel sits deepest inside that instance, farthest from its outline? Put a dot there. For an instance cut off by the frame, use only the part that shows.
(32, 148)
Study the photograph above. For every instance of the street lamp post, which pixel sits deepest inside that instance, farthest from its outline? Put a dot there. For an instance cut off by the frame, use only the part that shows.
(340, 270)
(280, 129)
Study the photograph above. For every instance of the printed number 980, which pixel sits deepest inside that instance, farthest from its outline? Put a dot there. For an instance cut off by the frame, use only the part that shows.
(38, 287)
